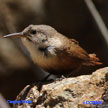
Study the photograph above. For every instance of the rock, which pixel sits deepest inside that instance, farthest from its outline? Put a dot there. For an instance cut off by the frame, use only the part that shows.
(69, 92)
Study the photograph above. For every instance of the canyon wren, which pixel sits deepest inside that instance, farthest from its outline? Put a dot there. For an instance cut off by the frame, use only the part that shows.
(54, 52)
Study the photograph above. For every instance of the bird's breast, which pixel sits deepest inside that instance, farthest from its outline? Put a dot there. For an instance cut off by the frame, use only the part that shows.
(38, 56)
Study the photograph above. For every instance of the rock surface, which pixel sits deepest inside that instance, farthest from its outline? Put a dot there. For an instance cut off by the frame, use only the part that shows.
(69, 92)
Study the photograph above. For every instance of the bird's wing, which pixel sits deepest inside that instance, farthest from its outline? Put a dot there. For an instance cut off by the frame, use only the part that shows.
(75, 41)
(73, 49)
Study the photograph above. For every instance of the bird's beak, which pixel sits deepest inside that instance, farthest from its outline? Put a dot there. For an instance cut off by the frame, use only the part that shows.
(14, 35)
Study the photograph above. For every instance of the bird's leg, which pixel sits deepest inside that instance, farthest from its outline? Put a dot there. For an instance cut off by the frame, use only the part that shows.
(43, 81)
(46, 77)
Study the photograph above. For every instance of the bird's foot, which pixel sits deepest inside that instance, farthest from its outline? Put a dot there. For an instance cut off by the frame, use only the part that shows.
(60, 78)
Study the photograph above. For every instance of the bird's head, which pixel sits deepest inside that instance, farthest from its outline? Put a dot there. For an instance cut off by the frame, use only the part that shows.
(42, 36)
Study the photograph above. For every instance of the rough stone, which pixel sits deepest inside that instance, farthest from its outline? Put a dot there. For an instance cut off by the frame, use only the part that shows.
(72, 92)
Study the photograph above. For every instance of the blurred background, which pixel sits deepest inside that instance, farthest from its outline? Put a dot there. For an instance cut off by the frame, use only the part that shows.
(71, 18)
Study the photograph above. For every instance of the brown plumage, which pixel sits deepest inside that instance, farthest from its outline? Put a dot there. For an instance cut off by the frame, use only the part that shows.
(53, 51)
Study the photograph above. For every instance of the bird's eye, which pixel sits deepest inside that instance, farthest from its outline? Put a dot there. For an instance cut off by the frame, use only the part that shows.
(33, 32)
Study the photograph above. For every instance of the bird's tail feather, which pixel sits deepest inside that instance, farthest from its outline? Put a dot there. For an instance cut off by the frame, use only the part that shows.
(93, 60)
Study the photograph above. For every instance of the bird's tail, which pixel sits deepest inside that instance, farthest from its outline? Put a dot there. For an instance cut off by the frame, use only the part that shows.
(93, 60)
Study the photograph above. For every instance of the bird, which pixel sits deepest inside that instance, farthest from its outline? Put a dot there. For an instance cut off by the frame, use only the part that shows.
(54, 52)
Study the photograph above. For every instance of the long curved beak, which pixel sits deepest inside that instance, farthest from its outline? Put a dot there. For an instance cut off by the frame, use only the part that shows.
(14, 35)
